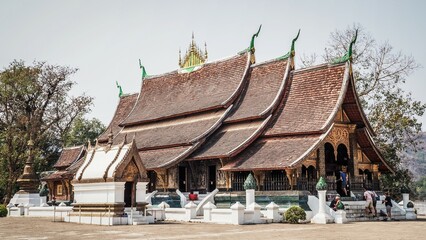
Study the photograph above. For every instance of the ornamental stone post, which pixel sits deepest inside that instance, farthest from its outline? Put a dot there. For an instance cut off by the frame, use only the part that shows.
(190, 210)
(272, 212)
(237, 213)
(250, 186)
(321, 217)
(208, 211)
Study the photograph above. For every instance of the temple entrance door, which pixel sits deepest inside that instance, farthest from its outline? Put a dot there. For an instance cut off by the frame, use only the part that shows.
(212, 178)
(182, 179)
(128, 194)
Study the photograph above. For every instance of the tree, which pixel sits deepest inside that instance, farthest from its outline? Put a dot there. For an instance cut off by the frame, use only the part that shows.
(379, 72)
(83, 130)
(34, 104)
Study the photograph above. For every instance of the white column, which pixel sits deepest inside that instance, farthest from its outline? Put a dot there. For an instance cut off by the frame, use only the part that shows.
(249, 197)
(405, 199)
(141, 191)
(322, 217)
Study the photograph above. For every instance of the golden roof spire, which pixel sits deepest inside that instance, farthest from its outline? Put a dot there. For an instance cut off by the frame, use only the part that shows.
(194, 55)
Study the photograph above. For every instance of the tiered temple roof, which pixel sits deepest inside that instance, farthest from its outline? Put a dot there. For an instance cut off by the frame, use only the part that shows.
(255, 116)
(68, 163)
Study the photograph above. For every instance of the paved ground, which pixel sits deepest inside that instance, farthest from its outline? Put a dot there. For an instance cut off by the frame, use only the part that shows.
(44, 228)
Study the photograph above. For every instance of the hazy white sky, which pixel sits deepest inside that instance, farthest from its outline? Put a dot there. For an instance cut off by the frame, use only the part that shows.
(105, 39)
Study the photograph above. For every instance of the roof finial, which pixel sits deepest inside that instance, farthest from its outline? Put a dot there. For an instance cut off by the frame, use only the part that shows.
(144, 74)
(352, 43)
(120, 93)
(348, 55)
(251, 48)
(292, 49)
(194, 56)
(293, 42)
(252, 38)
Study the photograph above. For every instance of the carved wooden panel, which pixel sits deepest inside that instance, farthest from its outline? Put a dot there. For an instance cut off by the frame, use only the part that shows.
(338, 135)
(172, 177)
(131, 172)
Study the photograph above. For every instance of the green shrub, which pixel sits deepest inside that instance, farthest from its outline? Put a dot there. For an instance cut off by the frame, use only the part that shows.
(294, 214)
(3, 211)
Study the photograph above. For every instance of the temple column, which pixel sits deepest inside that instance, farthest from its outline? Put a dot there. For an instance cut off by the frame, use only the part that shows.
(321, 161)
(290, 175)
(375, 175)
(298, 175)
(352, 151)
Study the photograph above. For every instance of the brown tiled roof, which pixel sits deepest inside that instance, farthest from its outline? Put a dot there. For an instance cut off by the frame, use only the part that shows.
(312, 100)
(160, 158)
(125, 105)
(55, 176)
(178, 131)
(307, 111)
(273, 153)
(266, 82)
(353, 110)
(68, 156)
(177, 94)
(369, 148)
(229, 140)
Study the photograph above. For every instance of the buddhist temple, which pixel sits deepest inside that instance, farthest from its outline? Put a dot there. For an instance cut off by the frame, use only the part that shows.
(207, 125)
(59, 182)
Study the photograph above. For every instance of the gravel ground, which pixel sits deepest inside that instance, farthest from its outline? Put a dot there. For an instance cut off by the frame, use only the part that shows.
(45, 228)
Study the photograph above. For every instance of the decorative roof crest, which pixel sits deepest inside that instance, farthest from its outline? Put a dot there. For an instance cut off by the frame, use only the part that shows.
(292, 51)
(348, 55)
(120, 90)
(194, 55)
(144, 74)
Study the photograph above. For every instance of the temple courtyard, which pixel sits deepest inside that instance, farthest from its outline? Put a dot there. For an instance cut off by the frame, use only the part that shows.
(45, 228)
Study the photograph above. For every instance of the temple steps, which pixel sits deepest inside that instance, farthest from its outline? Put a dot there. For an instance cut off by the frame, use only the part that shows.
(136, 218)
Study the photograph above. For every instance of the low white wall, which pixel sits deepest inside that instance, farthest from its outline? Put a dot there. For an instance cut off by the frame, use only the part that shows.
(420, 206)
(97, 220)
(48, 211)
(221, 216)
(109, 192)
(175, 214)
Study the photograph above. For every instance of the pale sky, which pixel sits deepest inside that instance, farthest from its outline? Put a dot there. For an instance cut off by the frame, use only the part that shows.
(105, 39)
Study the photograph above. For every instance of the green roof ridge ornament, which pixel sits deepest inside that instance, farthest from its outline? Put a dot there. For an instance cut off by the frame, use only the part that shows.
(321, 184)
(252, 38)
(120, 90)
(292, 49)
(250, 182)
(144, 74)
(348, 55)
(251, 47)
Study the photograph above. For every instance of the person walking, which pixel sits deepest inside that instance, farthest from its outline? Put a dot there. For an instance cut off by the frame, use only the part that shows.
(368, 202)
(388, 204)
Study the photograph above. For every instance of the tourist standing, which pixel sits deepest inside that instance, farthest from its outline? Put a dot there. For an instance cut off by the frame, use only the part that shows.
(368, 202)
(344, 180)
(374, 197)
(388, 204)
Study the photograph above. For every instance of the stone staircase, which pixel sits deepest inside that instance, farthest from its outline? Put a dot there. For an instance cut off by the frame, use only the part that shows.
(355, 212)
(137, 217)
